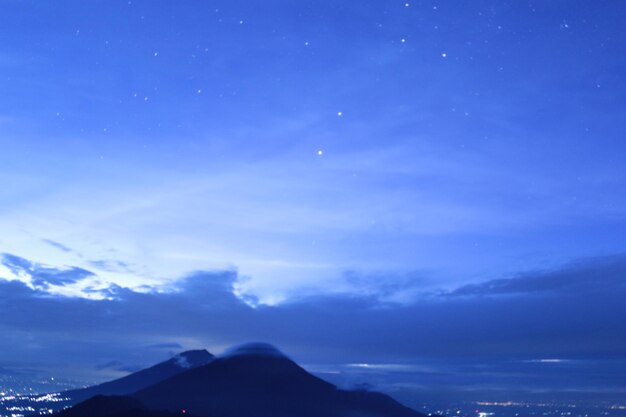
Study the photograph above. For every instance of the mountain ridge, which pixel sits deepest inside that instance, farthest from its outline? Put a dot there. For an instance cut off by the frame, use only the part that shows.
(56, 401)
(257, 380)
(143, 378)
(250, 380)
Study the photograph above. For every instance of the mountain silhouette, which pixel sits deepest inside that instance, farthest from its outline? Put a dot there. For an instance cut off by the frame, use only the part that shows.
(257, 380)
(144, 378)
(122, 386)
(138, 380)
(252, 380)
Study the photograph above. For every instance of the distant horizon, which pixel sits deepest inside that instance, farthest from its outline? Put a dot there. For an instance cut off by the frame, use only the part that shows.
(428, 400)
(380, 377)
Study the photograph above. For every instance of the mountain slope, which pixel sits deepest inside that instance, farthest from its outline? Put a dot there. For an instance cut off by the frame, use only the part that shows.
(122, 386)
(259, 381)
(144, 378)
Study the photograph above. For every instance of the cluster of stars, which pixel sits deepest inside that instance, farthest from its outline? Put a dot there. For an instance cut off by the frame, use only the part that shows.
(404, 40)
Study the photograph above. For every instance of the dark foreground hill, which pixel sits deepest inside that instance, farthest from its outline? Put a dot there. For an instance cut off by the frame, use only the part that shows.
(115, 406)
(252, 381)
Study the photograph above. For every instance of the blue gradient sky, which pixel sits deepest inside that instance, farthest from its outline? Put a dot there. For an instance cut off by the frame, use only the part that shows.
(400, 153)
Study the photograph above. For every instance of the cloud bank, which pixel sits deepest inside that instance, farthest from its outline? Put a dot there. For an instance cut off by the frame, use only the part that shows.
(576, 311)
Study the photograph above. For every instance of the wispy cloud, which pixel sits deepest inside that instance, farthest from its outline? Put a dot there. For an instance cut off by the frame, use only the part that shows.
(583, 276)
(57, 245)
(165, 345)
(42, 276)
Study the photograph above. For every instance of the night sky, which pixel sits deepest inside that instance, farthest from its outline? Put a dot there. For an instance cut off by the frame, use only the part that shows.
(427, 196)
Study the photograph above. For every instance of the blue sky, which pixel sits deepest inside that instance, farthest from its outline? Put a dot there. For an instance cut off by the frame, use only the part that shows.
(396, 152)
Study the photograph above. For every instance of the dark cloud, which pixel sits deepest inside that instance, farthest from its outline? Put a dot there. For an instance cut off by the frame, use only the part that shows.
(203, 306)
(583, 276)
(43, 276)
(580, 315)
